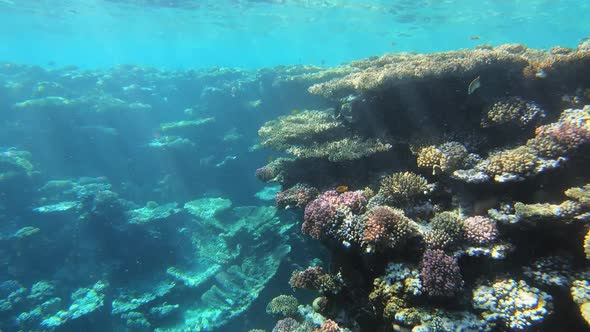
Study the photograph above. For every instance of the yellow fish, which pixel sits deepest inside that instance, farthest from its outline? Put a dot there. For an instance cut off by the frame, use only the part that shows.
(341, 189)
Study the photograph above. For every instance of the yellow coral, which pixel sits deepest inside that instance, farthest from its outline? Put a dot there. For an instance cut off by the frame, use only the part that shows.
(429, 157)
(403, 185)
(521, 161)
(587, 245)
(585, 311)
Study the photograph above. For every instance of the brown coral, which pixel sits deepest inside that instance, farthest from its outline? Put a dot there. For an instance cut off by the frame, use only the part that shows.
(385, 227)
(512, 110)
(520, 161)
(403, 185)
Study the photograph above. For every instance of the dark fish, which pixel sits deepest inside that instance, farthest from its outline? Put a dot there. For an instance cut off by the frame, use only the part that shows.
(474, 37)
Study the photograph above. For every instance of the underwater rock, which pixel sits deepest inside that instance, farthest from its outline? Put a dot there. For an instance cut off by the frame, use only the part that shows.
(268, 193)
(171, 142)
(152, 213)
(11, 293)
(207, 208)
(130, 299)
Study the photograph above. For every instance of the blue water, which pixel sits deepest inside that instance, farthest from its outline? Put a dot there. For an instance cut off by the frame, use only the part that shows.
(254, 34)
(131, 159)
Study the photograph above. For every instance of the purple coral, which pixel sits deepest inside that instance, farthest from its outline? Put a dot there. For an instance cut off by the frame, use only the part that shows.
(265, 173)
(480, 230)
(286, 325)
(440, 274)
(297, 196)
(322, 215)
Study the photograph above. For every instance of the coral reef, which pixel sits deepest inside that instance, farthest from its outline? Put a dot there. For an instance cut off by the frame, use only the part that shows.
(385, 227)
(403, 185)
(440, 274)
(297, 196)
(285, 305)
(480, 230)
(512, 110)
(516, 304)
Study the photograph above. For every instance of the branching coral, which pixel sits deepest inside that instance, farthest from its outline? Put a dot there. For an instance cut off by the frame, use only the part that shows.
(403, 185)
(440, 274)
(446, 157)
(480, 230)
(446, 230)
(323, 215)
(519, 161)
(511, 111)
(284, 305)
(315, 278)
(297, 196)
(385, 227)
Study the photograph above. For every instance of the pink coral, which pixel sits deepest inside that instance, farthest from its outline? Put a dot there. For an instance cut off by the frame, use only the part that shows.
(565, 133)
(480, 230)
(315, 278)
(385, 227)
(440, 274)
(328, 326)
(322, 215)
(265, 173)
(286, 325)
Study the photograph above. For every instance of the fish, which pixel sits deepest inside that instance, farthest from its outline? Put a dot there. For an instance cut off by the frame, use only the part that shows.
(474, 85)
(295, 112)
(474, 37)
(341, 189)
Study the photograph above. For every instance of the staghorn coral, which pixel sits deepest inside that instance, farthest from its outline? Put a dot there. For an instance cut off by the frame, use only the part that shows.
(515, 303)
(284, 305)
(511, 111)
(299, 129)
(297, 196)
(385, 227)
(315, 278)
(480, 230)
(440, 274)
(403, 185)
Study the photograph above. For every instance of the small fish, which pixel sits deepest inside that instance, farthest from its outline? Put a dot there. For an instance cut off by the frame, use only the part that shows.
(474, 85)
(341, 189)
(541, 74)
(270, 159)
(295, 112)
(475, 38)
